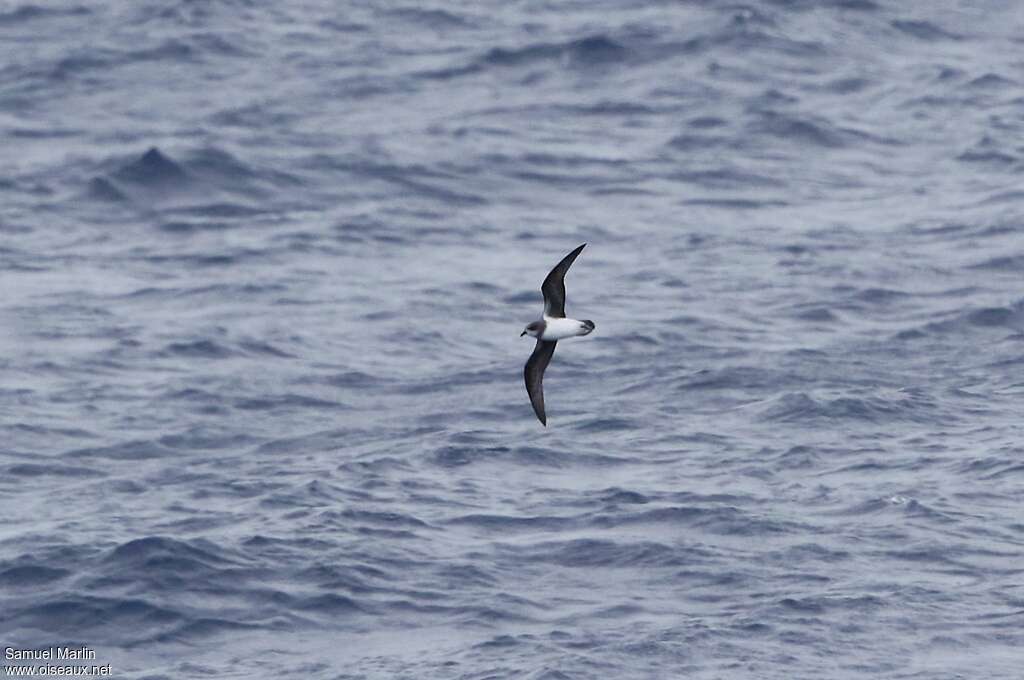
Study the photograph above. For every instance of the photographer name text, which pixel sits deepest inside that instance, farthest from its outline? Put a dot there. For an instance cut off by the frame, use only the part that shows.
(49, 654)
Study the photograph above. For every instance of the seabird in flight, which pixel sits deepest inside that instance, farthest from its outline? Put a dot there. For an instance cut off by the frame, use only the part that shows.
(548, 330)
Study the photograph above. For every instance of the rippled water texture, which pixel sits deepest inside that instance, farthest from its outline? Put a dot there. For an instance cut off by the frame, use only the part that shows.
(264, 267)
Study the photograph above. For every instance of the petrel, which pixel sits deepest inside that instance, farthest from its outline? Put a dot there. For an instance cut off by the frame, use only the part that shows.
(548, 330)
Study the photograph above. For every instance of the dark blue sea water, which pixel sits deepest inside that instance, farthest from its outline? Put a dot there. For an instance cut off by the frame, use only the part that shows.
(263, 270)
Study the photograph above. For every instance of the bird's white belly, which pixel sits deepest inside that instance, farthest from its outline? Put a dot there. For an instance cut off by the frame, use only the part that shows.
(556, 329)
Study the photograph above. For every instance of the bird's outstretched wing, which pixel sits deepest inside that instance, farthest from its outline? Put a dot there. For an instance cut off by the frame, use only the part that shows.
(554, 286)
(534, 373)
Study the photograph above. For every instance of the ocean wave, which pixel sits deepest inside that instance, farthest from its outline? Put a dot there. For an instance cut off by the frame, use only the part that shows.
(591, 50)
(30, 12)
(890, 406)
(587, 552)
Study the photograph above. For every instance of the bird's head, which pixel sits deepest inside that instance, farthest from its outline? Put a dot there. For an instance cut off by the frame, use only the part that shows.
(533, 329)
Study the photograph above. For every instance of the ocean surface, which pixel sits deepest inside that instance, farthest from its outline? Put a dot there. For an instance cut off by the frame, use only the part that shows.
(263, 271)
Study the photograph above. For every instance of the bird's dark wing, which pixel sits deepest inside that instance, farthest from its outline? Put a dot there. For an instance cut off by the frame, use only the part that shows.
(554, 286)
(534, 373)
